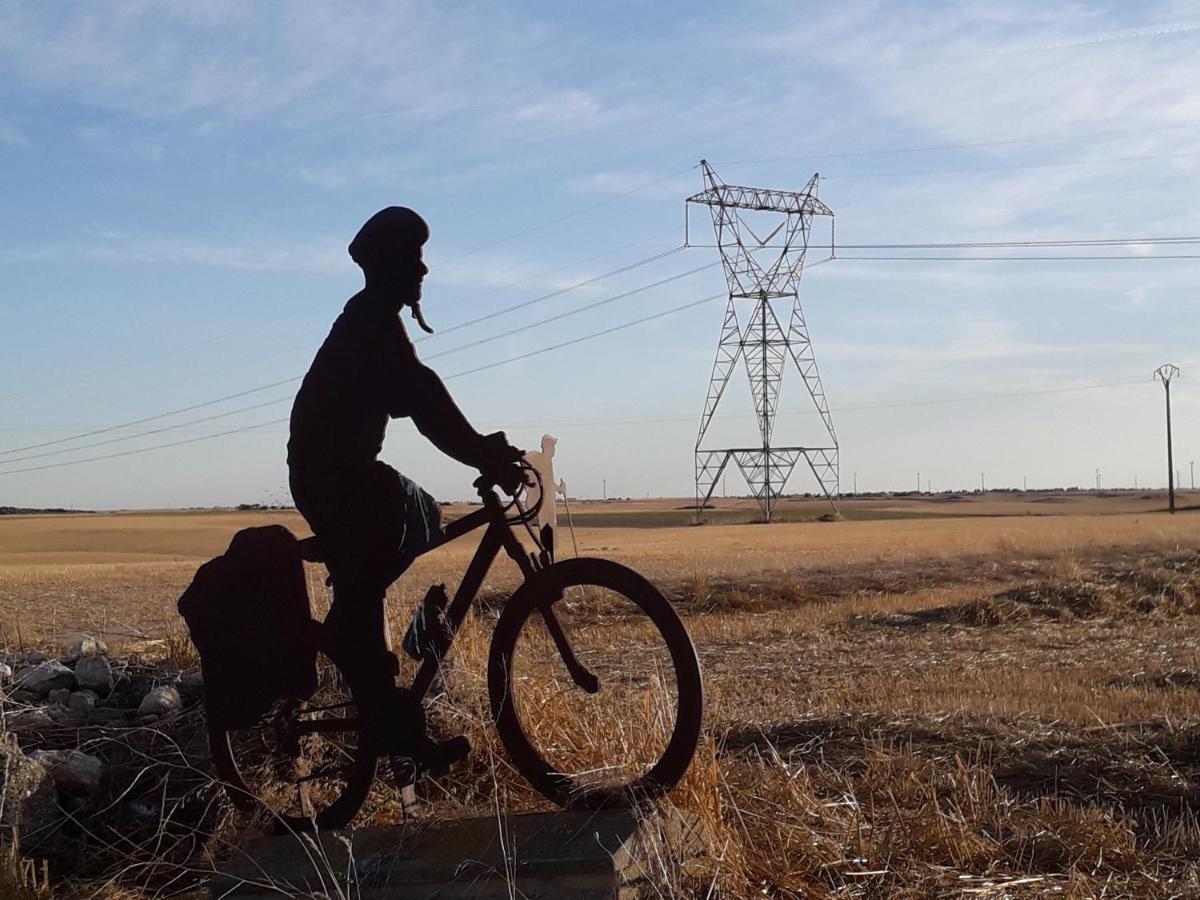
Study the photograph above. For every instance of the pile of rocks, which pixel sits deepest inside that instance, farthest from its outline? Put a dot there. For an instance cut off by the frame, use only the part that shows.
(42, 696)
(85, 688)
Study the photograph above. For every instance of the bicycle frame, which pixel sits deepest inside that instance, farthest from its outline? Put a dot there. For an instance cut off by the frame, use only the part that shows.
(499, 535)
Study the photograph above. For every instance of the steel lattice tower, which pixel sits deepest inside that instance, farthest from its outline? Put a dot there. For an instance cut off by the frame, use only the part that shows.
(752, 331)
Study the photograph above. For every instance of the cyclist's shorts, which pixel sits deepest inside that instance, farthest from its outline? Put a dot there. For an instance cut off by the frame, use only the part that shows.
(364, 516)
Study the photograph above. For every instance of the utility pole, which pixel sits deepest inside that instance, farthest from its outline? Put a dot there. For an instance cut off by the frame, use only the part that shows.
(928, 486)
(1165, 373)
(1024, 483)
(918, 482)
(982, 489)
(1097, 479)
(856, 483)
(603, 488)
(1192, 465)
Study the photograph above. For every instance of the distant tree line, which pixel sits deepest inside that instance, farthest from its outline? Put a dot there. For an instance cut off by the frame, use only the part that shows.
(24, 511)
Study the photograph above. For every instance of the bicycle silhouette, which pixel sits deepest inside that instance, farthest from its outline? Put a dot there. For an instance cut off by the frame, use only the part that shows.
(593, 683)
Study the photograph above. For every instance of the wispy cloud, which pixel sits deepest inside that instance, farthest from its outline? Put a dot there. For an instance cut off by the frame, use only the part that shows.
(12, 136)
(111, 142)
(309, 256)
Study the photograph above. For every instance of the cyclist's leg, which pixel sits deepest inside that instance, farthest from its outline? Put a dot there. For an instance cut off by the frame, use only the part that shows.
(396, 516)
(352, 521)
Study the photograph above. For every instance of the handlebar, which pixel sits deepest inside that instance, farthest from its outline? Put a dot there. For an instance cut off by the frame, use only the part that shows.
(485, 484)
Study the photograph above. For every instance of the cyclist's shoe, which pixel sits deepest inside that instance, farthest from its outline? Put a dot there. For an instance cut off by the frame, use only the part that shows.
(393, 724)
(436, 757)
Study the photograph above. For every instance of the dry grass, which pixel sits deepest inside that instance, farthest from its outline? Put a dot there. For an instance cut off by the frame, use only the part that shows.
(913, 708)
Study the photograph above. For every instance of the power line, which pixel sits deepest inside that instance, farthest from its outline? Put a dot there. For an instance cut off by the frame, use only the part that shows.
(234, 396)
(262, 323)
(980, 245)
(512, 284)
(195, 440)
(1097, 258)
(962, 398)
(477, 343)
(588, 337)
(573, 312)
(556, 293)
(246, 428)
(278, 383)
(142, 434)
(154, 418)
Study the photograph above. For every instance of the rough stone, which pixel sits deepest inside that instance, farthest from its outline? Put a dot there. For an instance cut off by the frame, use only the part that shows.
(20, 696)
(76, 773)
(87, 646)
(34, 719)
(83, 701)
(95, 673)
(59, 695)
(41, 679)
(30, 800)
(160, 701)
(6, 672)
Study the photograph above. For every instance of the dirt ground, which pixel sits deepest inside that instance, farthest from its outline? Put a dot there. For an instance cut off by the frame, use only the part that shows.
(1002, 701)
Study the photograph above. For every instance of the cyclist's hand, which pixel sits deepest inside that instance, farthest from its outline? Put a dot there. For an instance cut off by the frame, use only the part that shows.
(498, 451)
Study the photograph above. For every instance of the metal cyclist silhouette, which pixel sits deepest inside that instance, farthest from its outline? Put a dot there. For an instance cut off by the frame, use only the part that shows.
(593, 683)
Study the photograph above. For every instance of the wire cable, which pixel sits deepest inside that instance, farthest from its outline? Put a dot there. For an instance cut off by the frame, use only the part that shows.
(260, 425)
(961, 398)
(1095, 258)
(189, 423)
(234, 396)
(556, 293)
(154, 418)
(573, 312)
(142, 434)
(278, 383)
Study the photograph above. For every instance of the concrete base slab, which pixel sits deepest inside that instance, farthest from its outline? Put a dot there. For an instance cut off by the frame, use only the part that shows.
(584, 855)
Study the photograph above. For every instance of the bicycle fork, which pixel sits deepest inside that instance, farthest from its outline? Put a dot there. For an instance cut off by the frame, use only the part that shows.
(495, 537)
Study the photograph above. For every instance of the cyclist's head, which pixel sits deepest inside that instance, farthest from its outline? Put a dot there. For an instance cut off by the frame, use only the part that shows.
(388, 249)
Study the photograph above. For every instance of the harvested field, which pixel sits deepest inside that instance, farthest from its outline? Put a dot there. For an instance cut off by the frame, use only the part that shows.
(928, 705)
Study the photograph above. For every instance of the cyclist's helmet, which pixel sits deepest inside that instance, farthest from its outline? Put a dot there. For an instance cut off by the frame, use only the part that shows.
(374, 247)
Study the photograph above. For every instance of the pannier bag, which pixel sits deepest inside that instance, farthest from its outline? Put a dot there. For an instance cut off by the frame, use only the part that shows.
(249, 616)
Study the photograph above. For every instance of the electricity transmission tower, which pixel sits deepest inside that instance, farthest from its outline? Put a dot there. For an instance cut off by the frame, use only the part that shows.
(763, 276)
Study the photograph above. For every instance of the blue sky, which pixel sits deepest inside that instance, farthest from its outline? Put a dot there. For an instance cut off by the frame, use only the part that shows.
(178, 183)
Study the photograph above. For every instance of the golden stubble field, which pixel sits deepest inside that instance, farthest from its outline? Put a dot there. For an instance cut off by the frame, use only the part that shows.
(935, 697)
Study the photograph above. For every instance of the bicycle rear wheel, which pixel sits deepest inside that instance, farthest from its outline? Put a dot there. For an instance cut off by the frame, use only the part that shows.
(631, 737)
(300, 767)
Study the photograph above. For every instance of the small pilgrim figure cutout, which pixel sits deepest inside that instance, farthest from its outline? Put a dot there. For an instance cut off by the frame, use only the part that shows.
(543, 462)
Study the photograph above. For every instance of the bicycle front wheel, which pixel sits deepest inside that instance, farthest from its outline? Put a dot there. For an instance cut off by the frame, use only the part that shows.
(620, 726)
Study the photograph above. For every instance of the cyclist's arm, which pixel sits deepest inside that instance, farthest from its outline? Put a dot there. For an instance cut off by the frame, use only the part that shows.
(438, 417)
